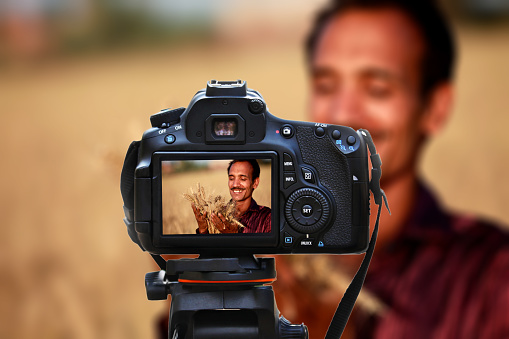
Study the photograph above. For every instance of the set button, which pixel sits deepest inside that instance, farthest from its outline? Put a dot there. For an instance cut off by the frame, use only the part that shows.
(307, 210)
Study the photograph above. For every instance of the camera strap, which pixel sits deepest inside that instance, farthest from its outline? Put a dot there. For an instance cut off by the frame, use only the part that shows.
(346, 304)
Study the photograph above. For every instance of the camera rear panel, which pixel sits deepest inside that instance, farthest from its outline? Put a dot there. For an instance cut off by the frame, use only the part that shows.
(318, 174)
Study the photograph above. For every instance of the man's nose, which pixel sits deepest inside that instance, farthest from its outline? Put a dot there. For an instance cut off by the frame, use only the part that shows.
(345, 108)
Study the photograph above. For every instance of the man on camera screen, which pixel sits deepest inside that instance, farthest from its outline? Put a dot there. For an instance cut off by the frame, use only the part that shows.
(243, 179)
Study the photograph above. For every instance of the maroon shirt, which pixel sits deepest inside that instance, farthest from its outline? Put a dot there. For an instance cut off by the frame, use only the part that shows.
(445, 277)
(257, 219)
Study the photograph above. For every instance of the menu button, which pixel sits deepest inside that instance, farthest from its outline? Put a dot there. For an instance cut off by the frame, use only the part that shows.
(287, 162)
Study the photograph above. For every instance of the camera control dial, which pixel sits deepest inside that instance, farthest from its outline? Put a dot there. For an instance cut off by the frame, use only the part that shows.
(307, 210)
(166, 116)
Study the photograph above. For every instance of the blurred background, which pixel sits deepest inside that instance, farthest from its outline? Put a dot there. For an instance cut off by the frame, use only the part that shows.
(78, 82)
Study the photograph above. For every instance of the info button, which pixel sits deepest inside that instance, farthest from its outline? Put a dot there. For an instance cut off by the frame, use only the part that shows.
(289, 179)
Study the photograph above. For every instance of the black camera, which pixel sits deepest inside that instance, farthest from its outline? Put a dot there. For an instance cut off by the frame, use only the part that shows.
(225, 177)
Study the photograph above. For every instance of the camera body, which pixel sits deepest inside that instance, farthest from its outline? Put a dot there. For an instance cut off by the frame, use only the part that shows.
(316, 178)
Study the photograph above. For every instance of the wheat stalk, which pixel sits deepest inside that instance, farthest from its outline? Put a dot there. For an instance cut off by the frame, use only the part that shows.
(212, 204)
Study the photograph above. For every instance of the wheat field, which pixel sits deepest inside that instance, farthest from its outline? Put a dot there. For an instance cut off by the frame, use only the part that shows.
(68, 267)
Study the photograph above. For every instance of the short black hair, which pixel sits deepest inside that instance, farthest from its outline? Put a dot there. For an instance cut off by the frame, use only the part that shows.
(437, 64)
(254, 165)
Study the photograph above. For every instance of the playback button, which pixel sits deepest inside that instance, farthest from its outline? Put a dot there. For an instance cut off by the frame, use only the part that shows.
(288, 240)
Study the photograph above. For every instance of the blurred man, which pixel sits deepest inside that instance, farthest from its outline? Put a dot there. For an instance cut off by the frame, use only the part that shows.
(387, 66)
(243, 179)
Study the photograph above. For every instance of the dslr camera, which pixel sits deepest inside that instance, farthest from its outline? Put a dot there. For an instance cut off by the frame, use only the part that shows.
(225, 177)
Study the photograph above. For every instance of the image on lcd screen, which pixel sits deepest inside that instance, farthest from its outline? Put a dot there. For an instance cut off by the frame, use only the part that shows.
(216, 196)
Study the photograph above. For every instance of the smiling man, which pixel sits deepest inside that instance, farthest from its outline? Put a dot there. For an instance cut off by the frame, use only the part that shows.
(243, 179)
(387, 66)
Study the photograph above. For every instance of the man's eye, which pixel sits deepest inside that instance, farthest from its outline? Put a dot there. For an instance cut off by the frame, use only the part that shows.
(324, 86)
(379, 91)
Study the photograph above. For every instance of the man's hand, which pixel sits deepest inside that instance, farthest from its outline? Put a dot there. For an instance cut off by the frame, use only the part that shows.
(223, 225)
(201, 219)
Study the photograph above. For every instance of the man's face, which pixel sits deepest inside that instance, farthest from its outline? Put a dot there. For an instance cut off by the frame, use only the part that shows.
(365, 74)
(240, 181)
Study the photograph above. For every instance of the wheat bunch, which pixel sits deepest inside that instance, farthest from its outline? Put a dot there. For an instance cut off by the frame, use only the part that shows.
(212, 204)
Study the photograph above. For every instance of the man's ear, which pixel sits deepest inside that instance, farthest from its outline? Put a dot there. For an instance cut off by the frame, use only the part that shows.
(438, 109)
(256, 182)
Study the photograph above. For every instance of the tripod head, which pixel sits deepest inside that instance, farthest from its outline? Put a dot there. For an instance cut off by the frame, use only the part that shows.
(221, 298)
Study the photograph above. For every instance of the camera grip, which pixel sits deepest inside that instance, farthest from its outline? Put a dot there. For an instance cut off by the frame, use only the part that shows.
(334, 174)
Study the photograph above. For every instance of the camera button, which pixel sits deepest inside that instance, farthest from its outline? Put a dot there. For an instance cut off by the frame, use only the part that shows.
(307, 210)
(287, 162)
(351, 140)
(289, 179)
(256, 106)
(336, 134)
(306, 242)
(308, 175)
(169, 138)
(288, 240)
(319, 132)
(287, 131)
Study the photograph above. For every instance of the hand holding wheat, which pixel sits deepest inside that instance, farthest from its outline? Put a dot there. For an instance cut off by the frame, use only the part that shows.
(213, 213)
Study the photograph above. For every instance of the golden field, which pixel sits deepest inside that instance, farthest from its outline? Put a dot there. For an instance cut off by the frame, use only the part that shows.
(68, 268)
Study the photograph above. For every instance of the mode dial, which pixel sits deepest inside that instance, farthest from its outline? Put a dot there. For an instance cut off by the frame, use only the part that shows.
(166, 116)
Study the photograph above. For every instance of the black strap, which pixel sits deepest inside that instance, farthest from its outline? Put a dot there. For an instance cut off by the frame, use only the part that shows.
(159, 261)
(345, 307)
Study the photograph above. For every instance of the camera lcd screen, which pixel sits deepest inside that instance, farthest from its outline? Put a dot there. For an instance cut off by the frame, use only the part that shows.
(216, 197)
(225, 127)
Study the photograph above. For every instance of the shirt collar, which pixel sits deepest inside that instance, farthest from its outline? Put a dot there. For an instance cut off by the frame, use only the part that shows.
(427, 217)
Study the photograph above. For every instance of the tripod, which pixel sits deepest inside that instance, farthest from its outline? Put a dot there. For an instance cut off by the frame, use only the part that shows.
(221, 298)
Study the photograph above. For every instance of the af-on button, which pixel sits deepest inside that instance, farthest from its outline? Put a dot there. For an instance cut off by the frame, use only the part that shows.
(319, 132)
